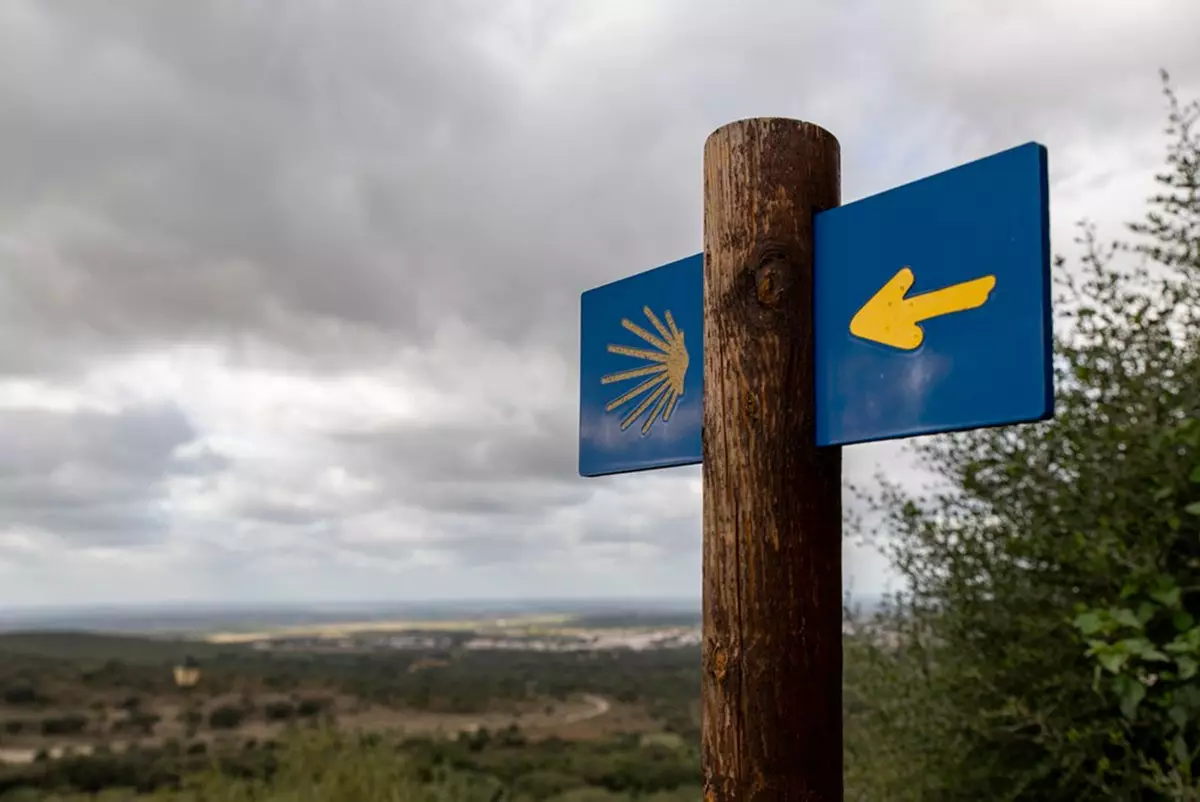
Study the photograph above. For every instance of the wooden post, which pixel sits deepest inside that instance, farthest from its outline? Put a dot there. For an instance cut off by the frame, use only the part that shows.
(772, 682)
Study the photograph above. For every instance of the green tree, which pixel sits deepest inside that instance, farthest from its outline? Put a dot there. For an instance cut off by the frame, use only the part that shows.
(226, 717)
(1046, 646)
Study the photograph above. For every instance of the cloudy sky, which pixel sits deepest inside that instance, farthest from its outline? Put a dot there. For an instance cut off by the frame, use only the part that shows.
(289, 291)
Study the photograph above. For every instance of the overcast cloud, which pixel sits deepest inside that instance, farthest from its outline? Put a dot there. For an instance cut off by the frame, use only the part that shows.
(289, 291)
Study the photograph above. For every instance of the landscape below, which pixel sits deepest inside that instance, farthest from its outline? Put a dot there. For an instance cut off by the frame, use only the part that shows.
(600, 704)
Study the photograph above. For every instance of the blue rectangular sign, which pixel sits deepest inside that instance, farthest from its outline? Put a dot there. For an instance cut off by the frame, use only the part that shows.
(931, 314)
(932, 304)
(642, 370)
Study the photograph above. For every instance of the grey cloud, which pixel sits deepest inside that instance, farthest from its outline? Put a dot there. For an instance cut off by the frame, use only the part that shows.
(458, 474)
(522, 470)
(485, 451)
(232, 168)
(220, 167)
(92, 478)
(343, 181)
(1057, 77)
(285, 514)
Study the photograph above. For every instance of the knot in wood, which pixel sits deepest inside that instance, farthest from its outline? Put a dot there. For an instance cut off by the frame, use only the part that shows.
(770, 276)
(750, 406)
(767, 285)
(720, 662)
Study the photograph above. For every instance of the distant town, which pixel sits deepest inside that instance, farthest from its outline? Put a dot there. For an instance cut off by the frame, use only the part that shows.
(591, 640)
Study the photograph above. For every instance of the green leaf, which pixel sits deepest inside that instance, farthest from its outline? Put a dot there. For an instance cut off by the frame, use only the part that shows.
(1143, 648)
(1195, 477)
(1088, 623)
(1187, 642)
(1178, 716)
(1184, 621)
(1187, 667)
(1180, 645)
(1169, 595)
(1131, 693)
(1112, 660)
(1163, 493)
(1127, 617)
(1193, 508)
(1179, 751)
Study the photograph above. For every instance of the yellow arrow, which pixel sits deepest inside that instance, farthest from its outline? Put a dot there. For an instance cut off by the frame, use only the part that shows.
(891, 319)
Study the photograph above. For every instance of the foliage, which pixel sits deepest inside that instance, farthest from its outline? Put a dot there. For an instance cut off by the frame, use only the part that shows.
(226, 717)
(22, 693)
(1047, 645)
(279, 711)
(69, 724)
(231, 766)
(472, 682)
(324, 764)
(311, 707)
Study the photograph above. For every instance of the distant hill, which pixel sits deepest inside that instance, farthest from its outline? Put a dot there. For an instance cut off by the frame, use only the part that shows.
(66, 645)
(618, 619)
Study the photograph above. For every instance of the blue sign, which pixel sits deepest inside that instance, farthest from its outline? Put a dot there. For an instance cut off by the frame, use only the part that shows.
(642, 371)
(932, 304)
(931, 314)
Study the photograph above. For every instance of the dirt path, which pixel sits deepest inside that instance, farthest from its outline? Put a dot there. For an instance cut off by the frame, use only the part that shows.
(599, 704)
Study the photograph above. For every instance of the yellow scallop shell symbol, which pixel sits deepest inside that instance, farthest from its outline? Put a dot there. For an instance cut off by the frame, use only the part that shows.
(666, 366)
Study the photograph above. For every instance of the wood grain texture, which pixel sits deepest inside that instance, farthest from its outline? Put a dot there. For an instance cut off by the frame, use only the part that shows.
(772, 682)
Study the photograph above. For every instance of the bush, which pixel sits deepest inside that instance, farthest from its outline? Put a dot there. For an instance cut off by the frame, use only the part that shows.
(311, 707)
(279, 711)
(145, 722)
(226, 717)
(21, 693)
(69, 724)
(543, 784)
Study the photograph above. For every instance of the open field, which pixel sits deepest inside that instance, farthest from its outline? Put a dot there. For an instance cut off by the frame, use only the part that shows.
(521, 625)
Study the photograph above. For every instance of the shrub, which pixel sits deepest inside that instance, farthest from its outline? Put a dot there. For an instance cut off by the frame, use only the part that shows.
(21, 693)
(311, 707)
(279, 711)
(69, 724)
(144, 722)
(226, 717)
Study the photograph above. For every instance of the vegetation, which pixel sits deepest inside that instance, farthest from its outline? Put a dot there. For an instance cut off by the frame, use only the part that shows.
(1049, 642)
(235, 737)
(325, 764)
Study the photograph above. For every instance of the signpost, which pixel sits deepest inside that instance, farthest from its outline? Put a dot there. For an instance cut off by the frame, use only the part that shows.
(642, 371)
(932, 306)
(805, 326)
